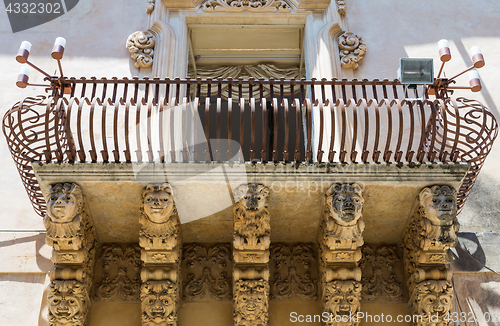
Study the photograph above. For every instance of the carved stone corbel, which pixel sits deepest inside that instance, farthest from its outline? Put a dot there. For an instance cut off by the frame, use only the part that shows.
(160, 240)
(340, 238)
(71, 234)
(251, 243)
(431, 232)
(351, 48)
(141, 47)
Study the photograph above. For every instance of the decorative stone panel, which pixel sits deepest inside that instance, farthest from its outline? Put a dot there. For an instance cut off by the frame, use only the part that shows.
(293, 271)
(246, 5)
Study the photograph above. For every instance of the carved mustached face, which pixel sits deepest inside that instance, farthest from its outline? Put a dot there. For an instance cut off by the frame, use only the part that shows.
(62, 207)
(158, 306)
(436, 303)
(252, 305)
(65, 307)
(346, 208)
(158, 206)
(343, 304)
(441, 208)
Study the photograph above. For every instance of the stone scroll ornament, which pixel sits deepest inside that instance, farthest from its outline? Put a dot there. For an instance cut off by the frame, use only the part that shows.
(351, 48)
(141, 47)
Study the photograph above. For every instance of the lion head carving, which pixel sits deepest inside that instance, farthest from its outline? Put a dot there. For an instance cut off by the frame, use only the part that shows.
(342, 297)
(158, 299)
(431, 298)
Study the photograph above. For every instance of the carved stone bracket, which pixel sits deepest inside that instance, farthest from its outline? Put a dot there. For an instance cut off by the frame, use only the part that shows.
(141, 48)
(247, 5)
(431, 232)
(379, 278)
(118, 273)
(340, 238)
(251, 242)
(207, 269)
(71, 234)
(160, 240)
(351, 48)
(293, 272)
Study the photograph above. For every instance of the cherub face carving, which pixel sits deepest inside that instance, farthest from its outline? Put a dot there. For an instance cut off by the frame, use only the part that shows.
(158, 203)
(64, 202)
(345, 203)
(439, 204)
(434, 297)
(67, 302)
(158, 301)
(251, 300)
(342, 297)
(252, 197)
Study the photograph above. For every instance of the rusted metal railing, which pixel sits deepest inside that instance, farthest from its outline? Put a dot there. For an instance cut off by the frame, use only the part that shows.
(153, 120)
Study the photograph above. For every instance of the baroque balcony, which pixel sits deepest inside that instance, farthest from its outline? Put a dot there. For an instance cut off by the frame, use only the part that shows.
(293, 139)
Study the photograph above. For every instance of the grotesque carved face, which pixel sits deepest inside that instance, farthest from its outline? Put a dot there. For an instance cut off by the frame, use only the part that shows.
(345, 203)
(252, 197)
(439, 204)
(63, 202)
(158, 202)
(158, 306)
(158, 301)
(343, 297)
(67, 302)
(251, 300)
(434, 297)
(158, 206)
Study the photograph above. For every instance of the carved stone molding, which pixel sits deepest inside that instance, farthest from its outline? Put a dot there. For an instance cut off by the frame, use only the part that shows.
(251, 303)
(159, 303)
(293, 272)
(141, 48)
(118, 273)
(68, 303)
(379, 278)
(342, 298)
(351, 48)
(150, 6)
(341, 7)
(252, 227)
(207, 269)
(432, 300)
(246, 5)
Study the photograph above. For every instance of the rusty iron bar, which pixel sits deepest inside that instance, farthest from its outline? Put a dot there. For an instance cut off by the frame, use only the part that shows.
(383, 128)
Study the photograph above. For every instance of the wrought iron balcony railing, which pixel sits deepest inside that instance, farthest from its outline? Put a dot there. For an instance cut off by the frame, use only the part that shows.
(192, 120)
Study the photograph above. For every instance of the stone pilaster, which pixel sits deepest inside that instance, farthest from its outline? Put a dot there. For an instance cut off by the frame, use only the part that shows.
(160, 240)
(71, 235)
(251, 255)
(340, 239)
(431, 232)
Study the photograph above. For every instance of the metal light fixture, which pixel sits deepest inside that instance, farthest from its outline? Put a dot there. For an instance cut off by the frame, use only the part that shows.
(442, 85)
(23, 55)
(416, 71)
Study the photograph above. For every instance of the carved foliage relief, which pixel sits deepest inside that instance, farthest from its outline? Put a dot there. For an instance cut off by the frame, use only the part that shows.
(251, 303)
(118, 273)
(293, 272)
(141, 48)
(246, 5)
(379, 278)
(351, 48)
(207, 270)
